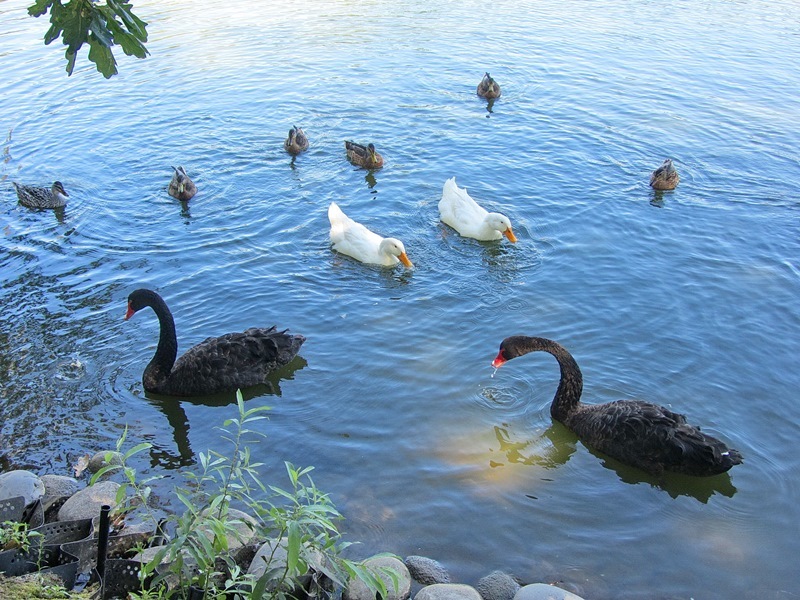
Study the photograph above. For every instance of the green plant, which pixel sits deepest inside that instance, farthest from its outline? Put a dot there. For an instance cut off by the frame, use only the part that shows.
(80, 22)
(226, 505)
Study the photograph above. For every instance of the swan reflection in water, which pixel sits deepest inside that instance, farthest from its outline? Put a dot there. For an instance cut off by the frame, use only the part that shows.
(554, 447)
(173, 409)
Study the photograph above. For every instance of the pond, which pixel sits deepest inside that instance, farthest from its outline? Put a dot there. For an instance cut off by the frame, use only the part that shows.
(686, 298)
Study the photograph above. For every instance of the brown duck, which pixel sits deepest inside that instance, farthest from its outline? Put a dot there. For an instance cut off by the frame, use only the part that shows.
(363, 156)
(488, 87)
(665, 177)
(297, 141)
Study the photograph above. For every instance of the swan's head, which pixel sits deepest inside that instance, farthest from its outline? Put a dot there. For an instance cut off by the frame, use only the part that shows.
(501, 223)
(511, 347)
(394, 247)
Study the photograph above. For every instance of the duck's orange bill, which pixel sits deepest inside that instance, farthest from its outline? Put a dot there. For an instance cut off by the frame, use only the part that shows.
(404, 259)
(510, 235)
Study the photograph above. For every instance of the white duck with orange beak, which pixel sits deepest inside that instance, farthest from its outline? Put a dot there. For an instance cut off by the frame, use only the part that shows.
(355, 240)
(467, 217)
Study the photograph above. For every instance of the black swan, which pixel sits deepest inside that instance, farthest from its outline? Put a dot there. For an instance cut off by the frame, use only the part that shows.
(636, 433)
(222, 364)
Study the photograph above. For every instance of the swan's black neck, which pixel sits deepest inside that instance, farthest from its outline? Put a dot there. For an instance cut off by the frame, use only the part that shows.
(568, 394)
(160, 366)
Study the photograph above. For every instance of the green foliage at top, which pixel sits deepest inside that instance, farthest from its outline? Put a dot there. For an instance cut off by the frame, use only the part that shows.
(79, 22)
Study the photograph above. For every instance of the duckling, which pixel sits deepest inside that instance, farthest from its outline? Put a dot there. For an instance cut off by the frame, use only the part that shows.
(488, 87)
(41, 197)
(364, 156)
(665, 177)
(296, 142)
(181, 186)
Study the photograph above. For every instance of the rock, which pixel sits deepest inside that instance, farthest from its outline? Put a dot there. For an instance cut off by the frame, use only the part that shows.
(277, 557)
(243, 532)
(98, 461)
(426, 570)
(543, 591)
(358, 590)
(21, 483)
(497, 586)
(60, 485)
(86, 503)
(448, 591)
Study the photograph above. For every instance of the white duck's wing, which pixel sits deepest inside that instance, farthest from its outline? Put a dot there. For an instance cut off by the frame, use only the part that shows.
(458, 210)
(353, 239)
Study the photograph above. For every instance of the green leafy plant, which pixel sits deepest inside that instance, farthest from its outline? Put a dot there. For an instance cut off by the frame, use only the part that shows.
(227, 505)
(79, 22)
(15, 535)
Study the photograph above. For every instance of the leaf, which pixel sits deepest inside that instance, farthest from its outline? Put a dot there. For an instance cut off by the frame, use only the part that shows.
(81, 465)
(292, 547)
(39, 7)
(102, 57)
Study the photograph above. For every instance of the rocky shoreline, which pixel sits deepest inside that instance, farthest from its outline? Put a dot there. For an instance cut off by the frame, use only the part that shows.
(66, 500)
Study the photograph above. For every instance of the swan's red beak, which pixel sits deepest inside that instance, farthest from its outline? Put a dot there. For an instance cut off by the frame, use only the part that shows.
(499, 361)
(130, 313)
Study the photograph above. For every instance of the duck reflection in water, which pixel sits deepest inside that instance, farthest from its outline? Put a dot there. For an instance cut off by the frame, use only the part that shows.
(173, 409)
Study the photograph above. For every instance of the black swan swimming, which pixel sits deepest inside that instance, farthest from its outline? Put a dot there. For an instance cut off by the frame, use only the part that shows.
(222, 364)
(636, 433)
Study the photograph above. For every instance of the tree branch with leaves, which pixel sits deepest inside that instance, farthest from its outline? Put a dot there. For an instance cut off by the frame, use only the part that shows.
(101, 26)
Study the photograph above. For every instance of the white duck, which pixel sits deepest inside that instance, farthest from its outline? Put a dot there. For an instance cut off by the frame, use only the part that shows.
(462, 213)
(353, 239)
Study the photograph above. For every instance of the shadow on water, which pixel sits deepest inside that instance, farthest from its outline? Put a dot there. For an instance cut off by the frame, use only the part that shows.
(657, 198)
(557, 444)
(490, 106)
(173, 409)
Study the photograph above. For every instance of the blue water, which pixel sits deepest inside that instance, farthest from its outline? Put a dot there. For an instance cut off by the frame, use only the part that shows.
(686, 298)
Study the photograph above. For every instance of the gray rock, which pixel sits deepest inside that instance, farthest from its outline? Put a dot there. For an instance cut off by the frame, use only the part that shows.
(21, 483)
(426, 570)
(277, 558)
(497, 586)
(241, 532)
(98, 461)
(543, 591)
(377, 565)
(448, 591)
(60, 485)
(86, 503)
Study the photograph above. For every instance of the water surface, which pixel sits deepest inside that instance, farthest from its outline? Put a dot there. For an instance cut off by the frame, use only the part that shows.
(686, 298)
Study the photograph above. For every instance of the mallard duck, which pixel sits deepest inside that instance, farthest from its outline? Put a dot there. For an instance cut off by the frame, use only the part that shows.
(41, 197)
(181, 186)
(643, 435)
(665, 177)
(458, 210)
(364, 156)
(488, 87)
(296, 142)
(355, 240)
(219, 364)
